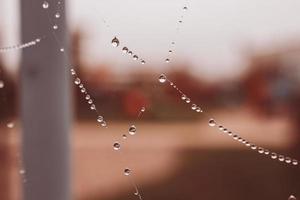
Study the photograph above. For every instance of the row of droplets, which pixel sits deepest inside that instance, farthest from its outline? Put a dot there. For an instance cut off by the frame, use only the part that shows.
(115, 42)
(87, 97)
(212, 123)
(20, 46)
(172, 46)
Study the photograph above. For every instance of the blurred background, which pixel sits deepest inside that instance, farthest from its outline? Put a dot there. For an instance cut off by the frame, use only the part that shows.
(238, 60)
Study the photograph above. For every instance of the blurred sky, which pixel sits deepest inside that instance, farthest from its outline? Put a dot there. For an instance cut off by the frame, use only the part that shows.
(213, 38)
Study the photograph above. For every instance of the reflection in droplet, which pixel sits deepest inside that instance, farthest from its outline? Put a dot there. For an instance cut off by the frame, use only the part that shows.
(77, 81)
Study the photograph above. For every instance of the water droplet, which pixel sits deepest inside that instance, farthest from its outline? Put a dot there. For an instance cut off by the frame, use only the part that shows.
(135, 57)
(185, 8)
(87, 97)
(124, 136)
(72, 71)
(93, 107)
(199, 109)
(162, 78)
(130, 53)
(253, 146)
(221, 128)
(77, 81)
(90, 101)
(170, 51)
(188, 100)
(292, 197)
(260, 150)
(132, 130)
(229, 133)
(267, 152)
(143, 109)
(117, 146)
(194, 107)
(100, 119)
(81, 85)
(136, 193)
(104, 124)
(45, 5)
(281, 158)
(62, 49)
(247, 144)
(225, 130)
(1, 84)
(127, 171)
(288, 160)
(295, 162)
(55, 27)
(167, 60)
(235, 137)
(212, 122)
(57, 15)
(125, 50)
(143, 62)
(273, 155)
(115, 42)
(180, 21)
(22, 171)
(10, 125)
(83, 90)
(183, 97)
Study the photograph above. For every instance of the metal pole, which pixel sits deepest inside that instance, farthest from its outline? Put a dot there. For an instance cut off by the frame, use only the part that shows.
(45, 105)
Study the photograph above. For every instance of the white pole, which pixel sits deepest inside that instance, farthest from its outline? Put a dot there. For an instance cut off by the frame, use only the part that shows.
(45, 105)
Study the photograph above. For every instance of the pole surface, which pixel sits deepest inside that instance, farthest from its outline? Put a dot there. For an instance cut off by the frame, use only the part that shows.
(45, 105)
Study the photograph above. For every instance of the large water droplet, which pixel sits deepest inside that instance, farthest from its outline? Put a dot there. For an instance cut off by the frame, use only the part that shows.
(45, 5)
(212, 122)
(117, 146)
(132, 130)
(127, 171)
(115, 42)
(292, 197)
(1, 84)
(162, 78)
